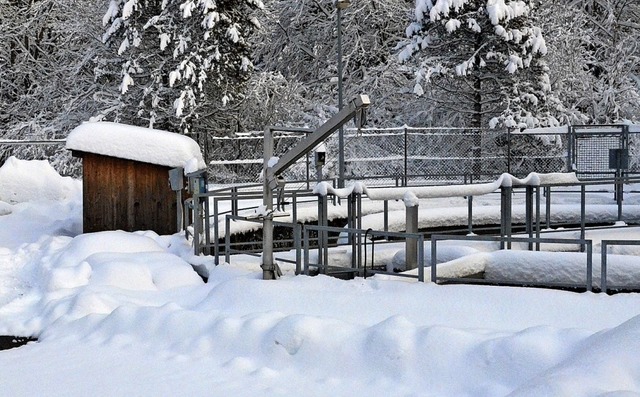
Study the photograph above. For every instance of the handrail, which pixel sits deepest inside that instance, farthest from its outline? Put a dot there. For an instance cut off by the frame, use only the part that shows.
(603, 259)
(582, 242)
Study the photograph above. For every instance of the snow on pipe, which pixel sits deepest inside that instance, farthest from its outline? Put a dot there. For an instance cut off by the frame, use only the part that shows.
(477, 189)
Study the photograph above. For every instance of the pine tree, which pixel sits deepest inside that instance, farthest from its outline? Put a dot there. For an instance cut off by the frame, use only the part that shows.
(482, 62)
(180, 60)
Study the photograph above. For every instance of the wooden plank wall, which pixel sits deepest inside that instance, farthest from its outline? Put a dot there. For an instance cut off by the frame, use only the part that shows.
(121, 194)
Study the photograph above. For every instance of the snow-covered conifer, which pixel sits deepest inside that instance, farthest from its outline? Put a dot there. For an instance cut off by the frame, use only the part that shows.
(181, 60)
(482, 59)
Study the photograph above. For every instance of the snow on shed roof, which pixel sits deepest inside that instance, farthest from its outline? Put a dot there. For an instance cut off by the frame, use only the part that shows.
(137, 143)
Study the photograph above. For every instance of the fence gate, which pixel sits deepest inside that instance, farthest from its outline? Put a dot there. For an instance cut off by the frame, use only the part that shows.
(598, 151)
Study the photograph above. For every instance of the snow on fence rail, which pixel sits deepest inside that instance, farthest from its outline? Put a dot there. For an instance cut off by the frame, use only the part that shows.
(451, 154)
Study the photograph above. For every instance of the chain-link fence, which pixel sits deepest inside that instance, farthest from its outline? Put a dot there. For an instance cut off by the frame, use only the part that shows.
(403, 155)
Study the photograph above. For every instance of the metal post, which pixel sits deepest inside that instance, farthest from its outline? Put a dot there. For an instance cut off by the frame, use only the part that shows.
(505, 215)
(268, 264)
(385, 216)
(321, 203)
(234, 200)
(529, 215)
(434, 259)
(547, 207)
(207, 226)
(421, 259)
(509, 150)
(582, 215)
(227, 241)
(470, 214)
(305, 241)
(537, 217)
(216, 230)
(297, 229)
(411, 244)
(341, 130)
(619, 191)
(405, 156)
(603, 267)
(352, 211)
(359, 226)
(197, 218)
(589, 265)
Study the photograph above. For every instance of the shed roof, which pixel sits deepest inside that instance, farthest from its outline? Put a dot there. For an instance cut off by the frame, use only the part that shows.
(137, 143)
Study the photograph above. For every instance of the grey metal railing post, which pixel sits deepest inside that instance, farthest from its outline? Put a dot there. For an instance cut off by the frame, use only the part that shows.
(411, 243)
(529, 214)
(603, 267)
(216, 229)
(234, 200)
(619, 194)
(207, 226)
(305, 234)
(297, 246)
(197, 218)
(294, 207)
(433, 259)
(537, 217)
(421, 259)
(589, 265)
(470, 214)
(227, 241)
(321, 205)
(547, 210)
(385, 216)
(582, 214)
(505, 215)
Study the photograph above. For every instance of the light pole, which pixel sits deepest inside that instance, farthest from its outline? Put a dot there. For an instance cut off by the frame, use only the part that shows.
(340, 5)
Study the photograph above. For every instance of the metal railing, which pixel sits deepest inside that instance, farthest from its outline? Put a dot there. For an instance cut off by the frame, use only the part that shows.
(581, 242)
(603, 264)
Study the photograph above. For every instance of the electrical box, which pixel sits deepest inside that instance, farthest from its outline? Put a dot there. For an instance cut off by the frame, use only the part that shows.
(176, 179)
(619, 159)
(198, 182)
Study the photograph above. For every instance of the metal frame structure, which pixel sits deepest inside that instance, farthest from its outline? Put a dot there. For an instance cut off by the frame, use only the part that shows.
(271, 172)
(604, 287)
(582, 242)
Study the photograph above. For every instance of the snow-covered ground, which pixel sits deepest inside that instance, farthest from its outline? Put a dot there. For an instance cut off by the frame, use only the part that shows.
(121, 313)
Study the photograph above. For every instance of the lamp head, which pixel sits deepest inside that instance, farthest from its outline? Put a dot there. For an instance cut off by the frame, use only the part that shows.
(342, 4)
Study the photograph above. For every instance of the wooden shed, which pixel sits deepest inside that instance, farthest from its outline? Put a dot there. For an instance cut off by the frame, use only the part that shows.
(125, 175)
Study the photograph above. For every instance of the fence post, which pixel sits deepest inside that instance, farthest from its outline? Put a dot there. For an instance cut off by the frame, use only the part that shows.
(603, 267)
(406, 136)
(509, 150)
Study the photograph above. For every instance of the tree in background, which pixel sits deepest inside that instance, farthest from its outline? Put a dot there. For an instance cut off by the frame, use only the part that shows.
(181, 62)
(481, 63)
(296, 61)
(46, 73)
(595, 52)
